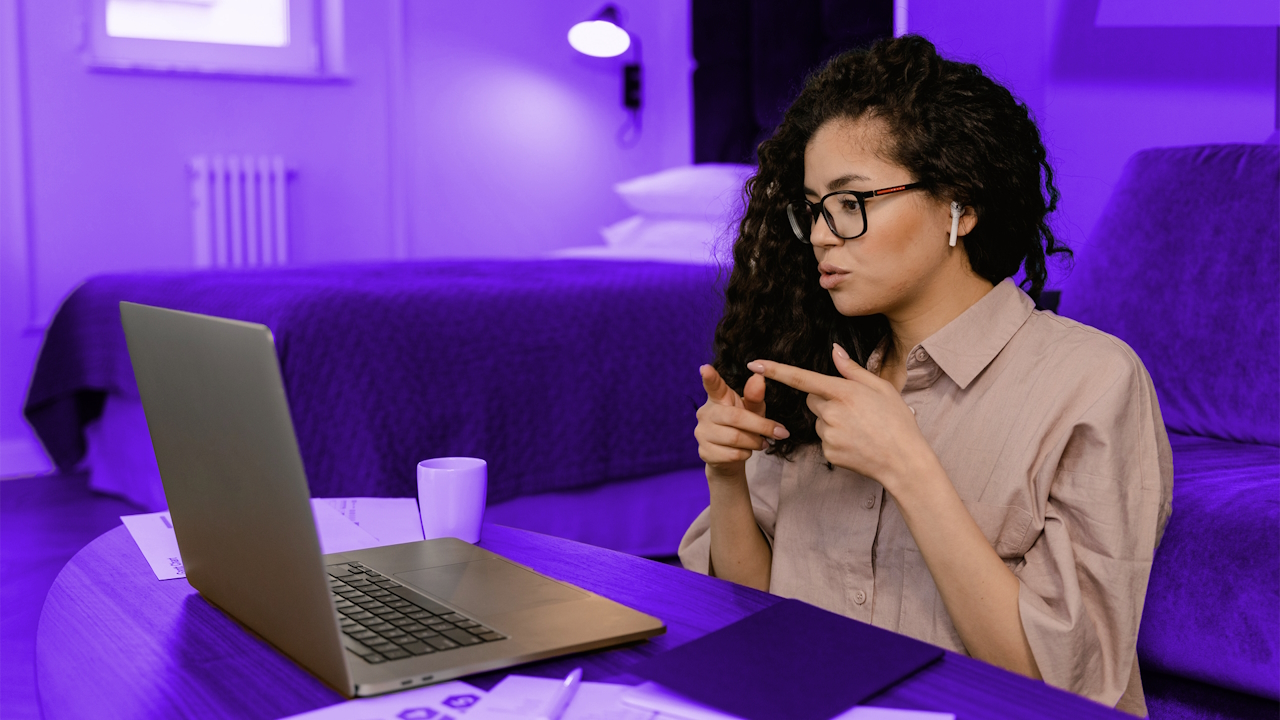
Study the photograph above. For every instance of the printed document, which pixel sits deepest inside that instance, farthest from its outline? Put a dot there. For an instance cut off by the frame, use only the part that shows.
(343, 524)
(446, 701)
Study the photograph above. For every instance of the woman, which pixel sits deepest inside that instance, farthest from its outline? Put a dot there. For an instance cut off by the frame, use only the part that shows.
(937, 457)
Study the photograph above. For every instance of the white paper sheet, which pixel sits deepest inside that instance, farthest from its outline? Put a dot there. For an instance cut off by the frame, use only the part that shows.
(338, 534)
(382, 521)
(521, 698)
(391, 520)
(446, 701)
(154, 534)
(667, 704)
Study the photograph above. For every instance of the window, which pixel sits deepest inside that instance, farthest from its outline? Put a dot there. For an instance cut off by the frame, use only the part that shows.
(300, 38)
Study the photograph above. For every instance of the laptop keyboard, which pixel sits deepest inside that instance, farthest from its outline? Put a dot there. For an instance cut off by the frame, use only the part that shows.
(383, 620)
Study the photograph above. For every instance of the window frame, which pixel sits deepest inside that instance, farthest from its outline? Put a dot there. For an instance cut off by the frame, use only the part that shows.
(314, 52)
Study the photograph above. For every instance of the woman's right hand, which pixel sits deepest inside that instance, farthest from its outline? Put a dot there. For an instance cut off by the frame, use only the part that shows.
(731, 426)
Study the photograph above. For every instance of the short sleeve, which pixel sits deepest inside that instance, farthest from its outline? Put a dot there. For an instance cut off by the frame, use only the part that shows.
(1085, 577)
(764, 478)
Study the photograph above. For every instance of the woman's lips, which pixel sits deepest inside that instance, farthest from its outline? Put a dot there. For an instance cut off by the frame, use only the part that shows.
(831, 275)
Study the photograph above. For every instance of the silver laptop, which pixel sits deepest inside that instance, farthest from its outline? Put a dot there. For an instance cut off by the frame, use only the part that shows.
(365, 622)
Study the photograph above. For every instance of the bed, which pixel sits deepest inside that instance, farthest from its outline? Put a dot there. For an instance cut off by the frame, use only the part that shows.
(576, 379)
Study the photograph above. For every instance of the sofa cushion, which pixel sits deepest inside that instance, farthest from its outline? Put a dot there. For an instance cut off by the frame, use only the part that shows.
(1213, 605)
(1183, 266)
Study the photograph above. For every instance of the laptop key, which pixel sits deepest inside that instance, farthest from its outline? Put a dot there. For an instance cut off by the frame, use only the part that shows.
(467, 624)
(374, 659)
(424, 634)
(404, 640)
(453, 617)
(412, 627)
(401, 621)
(396, 654)
(441, 643)
(357, 647)
(462, 637)
(420, 615)
(400, 604)
(491, 636)
(363, 634)
(421, 601)
(360, 615)
(387, 583)
(418, 648)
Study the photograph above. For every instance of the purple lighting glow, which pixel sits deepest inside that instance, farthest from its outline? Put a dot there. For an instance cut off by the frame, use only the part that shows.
(432, 163)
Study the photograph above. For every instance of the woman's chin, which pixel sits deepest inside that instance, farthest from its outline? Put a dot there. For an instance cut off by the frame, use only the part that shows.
(851, 303)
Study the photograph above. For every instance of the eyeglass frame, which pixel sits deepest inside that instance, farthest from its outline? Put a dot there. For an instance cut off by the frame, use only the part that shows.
(862, 195)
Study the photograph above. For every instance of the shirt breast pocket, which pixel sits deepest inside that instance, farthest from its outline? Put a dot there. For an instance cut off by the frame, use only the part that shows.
(1006, 527)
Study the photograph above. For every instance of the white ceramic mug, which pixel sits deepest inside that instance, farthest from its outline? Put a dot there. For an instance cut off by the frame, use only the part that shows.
(451, 495)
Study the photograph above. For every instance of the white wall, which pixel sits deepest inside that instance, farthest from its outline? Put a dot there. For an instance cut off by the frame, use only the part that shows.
(511, 122)
(1101, 94)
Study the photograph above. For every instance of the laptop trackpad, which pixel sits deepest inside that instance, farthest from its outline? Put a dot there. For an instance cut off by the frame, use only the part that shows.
(489, 587)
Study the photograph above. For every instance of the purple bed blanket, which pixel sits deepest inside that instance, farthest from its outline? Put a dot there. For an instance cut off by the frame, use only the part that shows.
(561, 373)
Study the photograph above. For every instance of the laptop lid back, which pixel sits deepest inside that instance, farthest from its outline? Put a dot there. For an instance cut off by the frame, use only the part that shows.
(234, 480)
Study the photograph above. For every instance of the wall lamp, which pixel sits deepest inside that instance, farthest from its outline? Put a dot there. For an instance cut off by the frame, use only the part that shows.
(603, 36)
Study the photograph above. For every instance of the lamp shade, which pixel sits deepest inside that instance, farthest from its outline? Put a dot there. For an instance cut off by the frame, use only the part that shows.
(600, 37)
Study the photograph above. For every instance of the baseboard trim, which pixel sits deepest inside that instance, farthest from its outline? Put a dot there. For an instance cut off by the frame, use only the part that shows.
(21, 457)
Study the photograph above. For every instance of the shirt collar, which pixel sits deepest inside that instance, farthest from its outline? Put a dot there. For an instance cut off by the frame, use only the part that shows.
(964, 347)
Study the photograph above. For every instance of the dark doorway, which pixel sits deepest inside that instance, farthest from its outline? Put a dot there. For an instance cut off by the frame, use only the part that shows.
(753, 56)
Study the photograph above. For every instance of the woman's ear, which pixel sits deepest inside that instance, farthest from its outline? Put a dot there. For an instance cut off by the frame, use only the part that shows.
(968, 220)
(963, 220)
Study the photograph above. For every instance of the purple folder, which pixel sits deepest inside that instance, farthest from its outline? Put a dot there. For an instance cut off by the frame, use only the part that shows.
(791, 660)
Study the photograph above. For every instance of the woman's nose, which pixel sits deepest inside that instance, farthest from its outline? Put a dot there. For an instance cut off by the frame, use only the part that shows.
(821, 234)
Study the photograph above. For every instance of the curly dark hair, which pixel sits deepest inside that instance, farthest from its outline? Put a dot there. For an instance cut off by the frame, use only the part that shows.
(957, 131)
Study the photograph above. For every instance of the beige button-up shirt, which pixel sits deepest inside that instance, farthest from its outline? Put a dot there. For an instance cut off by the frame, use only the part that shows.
(1052, 436)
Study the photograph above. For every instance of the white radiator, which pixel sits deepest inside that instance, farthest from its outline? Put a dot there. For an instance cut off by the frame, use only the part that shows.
(239, 211)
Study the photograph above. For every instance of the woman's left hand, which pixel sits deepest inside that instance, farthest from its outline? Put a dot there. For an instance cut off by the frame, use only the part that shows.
(862, 421)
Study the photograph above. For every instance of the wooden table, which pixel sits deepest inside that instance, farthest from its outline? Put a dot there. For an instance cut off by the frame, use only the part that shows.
(115, 642)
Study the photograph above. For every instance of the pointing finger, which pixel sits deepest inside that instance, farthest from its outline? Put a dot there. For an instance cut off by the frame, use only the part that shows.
(718, 391)
(803, 380)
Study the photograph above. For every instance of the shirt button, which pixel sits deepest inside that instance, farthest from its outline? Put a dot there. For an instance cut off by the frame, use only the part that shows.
(921, 355)
(870, 502)
(859, 597)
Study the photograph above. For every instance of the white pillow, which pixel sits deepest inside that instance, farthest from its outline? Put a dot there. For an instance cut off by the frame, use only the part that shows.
(712, 191)
(692, 239)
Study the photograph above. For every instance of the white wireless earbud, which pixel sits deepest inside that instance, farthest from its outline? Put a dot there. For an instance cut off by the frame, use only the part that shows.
(956, 212)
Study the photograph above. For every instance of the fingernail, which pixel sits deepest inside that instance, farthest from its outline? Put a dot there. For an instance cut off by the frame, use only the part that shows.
(781, 433)
(755, 367)
(840, 351)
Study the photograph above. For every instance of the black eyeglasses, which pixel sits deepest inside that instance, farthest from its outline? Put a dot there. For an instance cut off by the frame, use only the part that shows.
(845, 211)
